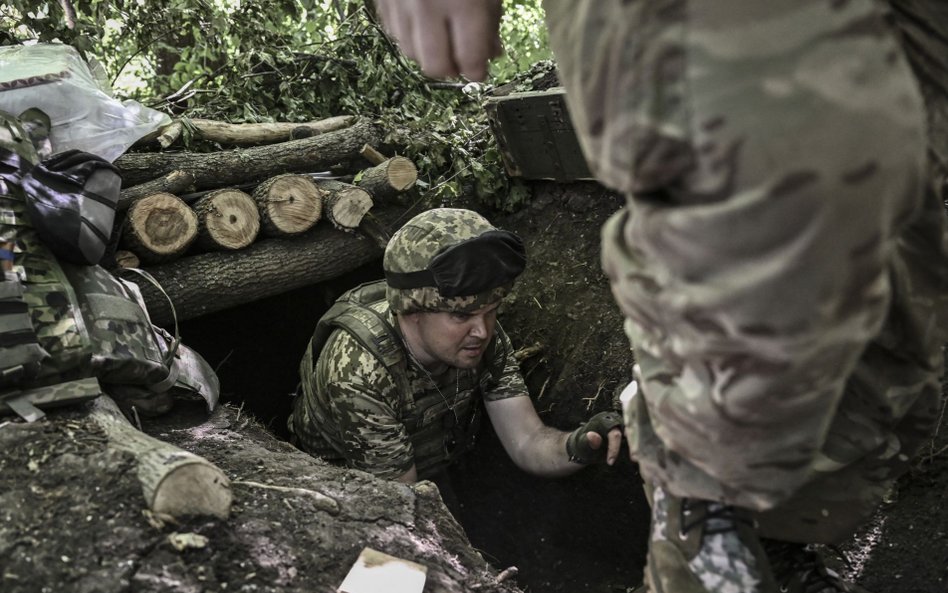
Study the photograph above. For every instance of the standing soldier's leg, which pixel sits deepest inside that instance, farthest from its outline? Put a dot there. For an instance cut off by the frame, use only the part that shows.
(774, 158)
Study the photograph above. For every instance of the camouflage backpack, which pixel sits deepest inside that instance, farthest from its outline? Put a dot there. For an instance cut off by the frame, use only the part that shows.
(69, 331)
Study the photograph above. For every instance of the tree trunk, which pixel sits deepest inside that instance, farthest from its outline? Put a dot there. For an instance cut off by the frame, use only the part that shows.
(174, 482)
(175, 182)
(345, 204)
(385, 180)
(159, 228)
(227, 220)
(237, 166)
(209, 282)
(265, 133)
(288, 204)
(249, 133)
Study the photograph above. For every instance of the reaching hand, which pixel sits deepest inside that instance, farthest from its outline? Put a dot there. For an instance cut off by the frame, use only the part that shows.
(447, 37)
(584, 444)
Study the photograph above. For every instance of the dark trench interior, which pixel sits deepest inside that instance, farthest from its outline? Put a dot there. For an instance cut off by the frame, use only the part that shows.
(586, 532)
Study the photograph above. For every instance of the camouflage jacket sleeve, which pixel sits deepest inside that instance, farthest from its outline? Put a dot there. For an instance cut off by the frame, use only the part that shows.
(510, 383)
(359, 402)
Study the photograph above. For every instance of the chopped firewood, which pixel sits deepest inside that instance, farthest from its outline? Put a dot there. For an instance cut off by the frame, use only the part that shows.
(174, 481)
(345, 204)
(289, 204)
(209, 282)
(227, 219)
(388, 178)
(159, 228)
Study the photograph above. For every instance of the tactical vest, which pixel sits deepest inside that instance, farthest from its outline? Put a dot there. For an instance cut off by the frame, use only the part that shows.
(68, 331)
(428, 420)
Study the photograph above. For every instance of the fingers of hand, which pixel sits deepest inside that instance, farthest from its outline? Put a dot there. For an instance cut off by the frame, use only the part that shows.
(595, 439)
(615, 442)
(434, 45)
(447, 39)
(475, 40)
(585, 444)
(397, 21)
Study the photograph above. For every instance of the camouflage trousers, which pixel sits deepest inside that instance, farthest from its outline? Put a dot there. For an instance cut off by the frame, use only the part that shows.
(781, 260)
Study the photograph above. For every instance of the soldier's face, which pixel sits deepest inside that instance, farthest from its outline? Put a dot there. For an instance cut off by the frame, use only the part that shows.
(456, 339)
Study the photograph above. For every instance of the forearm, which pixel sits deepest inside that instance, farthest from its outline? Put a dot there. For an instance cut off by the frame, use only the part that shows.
(543, 453)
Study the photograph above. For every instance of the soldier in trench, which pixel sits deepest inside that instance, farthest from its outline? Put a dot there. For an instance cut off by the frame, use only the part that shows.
(394, 376)
(781, 260)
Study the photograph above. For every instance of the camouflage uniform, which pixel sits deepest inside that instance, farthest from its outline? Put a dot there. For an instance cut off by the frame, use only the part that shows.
(781, 260)
(354, 411)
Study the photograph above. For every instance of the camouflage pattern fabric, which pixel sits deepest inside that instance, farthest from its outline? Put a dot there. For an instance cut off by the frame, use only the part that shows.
(417, 242)
(781, 260)
(27, 402)
(125, 347)
(703, 547)
(351, 412)
(40, 324)
(62, 324)
(19, 347)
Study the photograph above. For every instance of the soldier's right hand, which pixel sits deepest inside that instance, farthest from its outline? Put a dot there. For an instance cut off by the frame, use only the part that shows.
(447, 38)
(597, 440)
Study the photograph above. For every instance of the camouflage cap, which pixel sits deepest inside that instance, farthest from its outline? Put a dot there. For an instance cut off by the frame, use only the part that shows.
(414, 247)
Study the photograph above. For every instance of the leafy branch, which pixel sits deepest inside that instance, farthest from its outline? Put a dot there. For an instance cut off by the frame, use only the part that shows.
(296, 60)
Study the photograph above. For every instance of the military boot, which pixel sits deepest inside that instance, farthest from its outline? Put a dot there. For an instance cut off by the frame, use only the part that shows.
(699, 546)
(799, 569)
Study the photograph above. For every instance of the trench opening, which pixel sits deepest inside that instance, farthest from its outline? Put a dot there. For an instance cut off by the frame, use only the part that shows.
(583, 533)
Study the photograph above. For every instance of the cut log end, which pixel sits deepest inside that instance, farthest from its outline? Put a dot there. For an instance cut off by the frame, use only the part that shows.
(193, 489)
(126, 259)
(346, 208)
(288, 204)
(160, 227)
(390, 178)
(175, 482)
(228, 219)
(402, 173)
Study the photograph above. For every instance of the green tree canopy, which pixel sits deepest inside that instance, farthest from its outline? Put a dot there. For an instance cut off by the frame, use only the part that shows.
(292, 60)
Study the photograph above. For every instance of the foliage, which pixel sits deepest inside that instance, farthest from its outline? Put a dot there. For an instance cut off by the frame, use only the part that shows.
(294, 60)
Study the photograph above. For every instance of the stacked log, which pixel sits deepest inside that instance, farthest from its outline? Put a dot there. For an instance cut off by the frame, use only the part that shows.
(159, 228)
(174, 182)
(227, 220)
(243, 165)
(209, 282)
(266, 201)
(246, 134)
(345, 204)
(288, 204)
(389, 176)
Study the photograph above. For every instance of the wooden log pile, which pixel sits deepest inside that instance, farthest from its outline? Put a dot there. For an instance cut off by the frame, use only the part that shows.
(231, 214)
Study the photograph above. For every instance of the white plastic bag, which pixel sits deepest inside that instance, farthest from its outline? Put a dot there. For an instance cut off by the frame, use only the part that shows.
(83, 114)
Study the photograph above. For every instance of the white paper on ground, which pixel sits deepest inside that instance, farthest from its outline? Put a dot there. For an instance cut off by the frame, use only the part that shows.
(377, 572)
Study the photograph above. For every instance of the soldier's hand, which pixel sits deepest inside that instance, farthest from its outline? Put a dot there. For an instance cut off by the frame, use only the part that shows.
(447, 37)
(585, 444)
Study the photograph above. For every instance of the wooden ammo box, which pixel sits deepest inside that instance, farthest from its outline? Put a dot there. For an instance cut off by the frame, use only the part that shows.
(536, 137)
